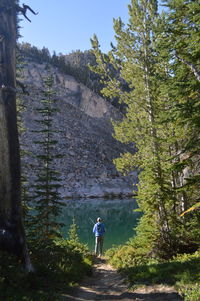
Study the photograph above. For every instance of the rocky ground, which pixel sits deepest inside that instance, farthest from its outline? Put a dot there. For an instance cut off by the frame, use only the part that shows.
(107, 284)
(85, 136)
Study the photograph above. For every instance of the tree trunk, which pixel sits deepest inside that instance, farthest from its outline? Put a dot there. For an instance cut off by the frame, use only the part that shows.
(12, 237)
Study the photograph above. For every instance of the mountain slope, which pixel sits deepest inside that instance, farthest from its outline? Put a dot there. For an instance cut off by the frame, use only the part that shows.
(86, 141)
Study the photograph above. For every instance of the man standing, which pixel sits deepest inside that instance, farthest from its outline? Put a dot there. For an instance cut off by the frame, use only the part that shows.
(99, 230)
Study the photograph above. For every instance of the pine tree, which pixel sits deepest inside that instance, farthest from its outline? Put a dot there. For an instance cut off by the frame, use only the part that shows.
(73, 235)
(147, 123)
(179, 49)
(46, 196)
(183, 31)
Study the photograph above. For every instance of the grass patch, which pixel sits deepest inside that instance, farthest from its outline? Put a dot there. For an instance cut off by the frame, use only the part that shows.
(165, 273)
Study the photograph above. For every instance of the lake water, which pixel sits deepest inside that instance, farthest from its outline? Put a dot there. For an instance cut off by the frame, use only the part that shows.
(117, 215)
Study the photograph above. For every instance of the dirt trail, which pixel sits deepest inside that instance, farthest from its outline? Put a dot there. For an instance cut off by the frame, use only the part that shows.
(107, 284)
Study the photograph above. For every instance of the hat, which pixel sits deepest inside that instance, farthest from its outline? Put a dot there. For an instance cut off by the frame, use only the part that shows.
(98, 219)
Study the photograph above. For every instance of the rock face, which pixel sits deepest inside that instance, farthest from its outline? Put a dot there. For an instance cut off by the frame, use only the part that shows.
(84, 135)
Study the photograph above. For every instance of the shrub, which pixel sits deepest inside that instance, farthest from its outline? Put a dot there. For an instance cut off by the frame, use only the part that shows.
(191, 292)
(183, 271)
(58, 265)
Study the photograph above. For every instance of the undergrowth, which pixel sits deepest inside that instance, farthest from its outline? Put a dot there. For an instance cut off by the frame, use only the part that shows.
(182, 271)
(59, 264)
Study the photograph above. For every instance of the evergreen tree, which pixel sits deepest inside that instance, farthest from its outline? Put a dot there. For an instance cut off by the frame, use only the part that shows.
(46, 196)
(73, 235)
(157, 138)
(181, 27)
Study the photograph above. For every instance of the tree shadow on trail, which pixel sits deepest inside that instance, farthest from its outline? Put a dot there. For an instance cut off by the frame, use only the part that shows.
(107, 284)
(126, 296)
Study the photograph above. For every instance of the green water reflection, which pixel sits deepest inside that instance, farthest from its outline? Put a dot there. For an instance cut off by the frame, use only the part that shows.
(118, 217)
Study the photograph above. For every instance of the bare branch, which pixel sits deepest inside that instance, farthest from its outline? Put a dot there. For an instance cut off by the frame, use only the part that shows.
(23, 10)
(195, 71)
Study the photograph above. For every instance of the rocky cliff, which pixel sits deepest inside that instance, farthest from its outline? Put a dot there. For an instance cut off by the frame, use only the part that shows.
(84, 135)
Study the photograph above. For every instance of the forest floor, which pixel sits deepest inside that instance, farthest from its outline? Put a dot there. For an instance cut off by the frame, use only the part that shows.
(107, 284)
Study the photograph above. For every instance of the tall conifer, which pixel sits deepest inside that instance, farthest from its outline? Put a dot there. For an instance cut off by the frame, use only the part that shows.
(179, 50)
(146, 123)
(46, 196)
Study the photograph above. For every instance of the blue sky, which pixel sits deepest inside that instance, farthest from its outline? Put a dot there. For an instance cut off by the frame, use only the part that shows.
(67, 25)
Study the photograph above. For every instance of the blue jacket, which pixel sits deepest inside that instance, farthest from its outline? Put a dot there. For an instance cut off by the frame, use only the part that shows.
(99, 229)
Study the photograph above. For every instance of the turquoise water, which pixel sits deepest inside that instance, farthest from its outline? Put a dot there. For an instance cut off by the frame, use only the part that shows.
(118, 217)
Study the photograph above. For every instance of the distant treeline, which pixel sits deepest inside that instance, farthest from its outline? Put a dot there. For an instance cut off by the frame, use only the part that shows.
(75, 64)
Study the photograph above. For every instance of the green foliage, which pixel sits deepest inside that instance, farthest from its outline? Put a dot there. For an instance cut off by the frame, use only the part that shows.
(46, 198)
(191, 292)
(58, 265)
(160, 91)
(180, 28)
(74, 239)
(138, 249)
(73, 235)
(183, 271)
(125, 256)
